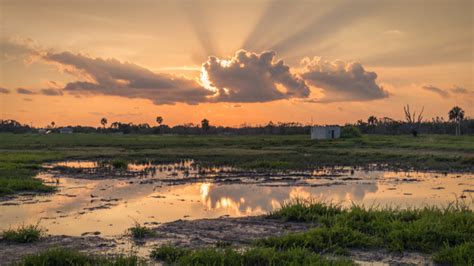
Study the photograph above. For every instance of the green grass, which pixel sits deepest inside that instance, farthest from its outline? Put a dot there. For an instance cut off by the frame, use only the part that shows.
(23, 234)
(18, 168)
(139, 231)
(69, 257)
(251, 256)
(428, 230)
(447, 233)
(458, 255)
(22, 154)
(119, 164)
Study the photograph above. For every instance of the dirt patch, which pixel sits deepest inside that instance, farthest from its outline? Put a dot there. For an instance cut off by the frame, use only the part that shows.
(238, 231)
(11, 252)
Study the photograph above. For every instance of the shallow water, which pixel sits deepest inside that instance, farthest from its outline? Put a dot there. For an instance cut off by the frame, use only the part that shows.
(111, 205)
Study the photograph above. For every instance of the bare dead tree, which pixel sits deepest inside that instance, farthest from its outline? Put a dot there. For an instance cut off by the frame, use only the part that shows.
(413, 119)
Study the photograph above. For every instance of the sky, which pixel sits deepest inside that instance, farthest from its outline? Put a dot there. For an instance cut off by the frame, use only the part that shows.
(233, 62)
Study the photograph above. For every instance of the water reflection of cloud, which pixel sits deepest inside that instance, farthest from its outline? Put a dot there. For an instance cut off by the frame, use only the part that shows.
(250, 198)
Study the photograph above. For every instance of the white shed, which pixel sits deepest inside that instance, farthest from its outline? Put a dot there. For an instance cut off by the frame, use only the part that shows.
(325, 132)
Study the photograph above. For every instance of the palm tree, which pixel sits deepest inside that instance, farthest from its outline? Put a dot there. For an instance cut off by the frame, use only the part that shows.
(372, 120)
(159, 120)
(456, 114)
(53, 124)
(104, 122)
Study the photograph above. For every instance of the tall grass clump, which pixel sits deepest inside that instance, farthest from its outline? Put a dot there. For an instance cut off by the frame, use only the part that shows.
(139, 231)
(119, 164)
(251, 256)
(426, 229)
(23, 234)
(63, 256)
(458, 255)
(350, 132)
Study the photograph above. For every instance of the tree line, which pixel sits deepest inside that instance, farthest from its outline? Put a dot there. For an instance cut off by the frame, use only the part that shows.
(456, 123)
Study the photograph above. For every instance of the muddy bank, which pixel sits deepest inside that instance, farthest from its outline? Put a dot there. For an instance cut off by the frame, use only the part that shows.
(11, 252)
(235, 231)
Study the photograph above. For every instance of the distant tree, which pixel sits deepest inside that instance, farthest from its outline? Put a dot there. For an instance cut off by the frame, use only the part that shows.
(205, 125)
(159, 120)
(372, 120)
(104, 122)
(456, 115)
(53, 124)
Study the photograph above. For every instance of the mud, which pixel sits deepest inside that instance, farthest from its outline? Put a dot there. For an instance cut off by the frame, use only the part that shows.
(11, 252)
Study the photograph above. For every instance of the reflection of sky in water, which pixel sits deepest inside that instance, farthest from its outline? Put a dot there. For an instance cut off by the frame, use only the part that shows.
(111, 205)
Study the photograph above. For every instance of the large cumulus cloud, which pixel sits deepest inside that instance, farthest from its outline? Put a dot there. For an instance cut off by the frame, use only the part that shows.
(341, 81)
(246, 77)
(112, 77)
(251, 77)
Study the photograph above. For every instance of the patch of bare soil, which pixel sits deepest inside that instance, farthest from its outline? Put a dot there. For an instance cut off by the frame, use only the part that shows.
(236, 231)
(11, 252)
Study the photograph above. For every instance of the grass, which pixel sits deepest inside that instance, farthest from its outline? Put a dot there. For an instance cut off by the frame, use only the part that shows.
(458, 255)
(139, 231)
(252, 256)
(17, 171)
(119, 164)
(447, 232)
(69, 257)
(23, 234)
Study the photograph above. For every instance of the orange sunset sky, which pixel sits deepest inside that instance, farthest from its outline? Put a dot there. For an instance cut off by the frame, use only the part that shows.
(233, 62)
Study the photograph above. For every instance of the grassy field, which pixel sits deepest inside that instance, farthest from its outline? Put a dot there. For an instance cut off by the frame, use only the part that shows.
(22, 154)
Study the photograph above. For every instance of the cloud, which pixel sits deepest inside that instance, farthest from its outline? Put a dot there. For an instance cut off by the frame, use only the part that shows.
(342, 81)
(461, 90)
(444, 93)
(251, 77)
(440, 92)
(24, 91)
(52, 92)
(4, 91)
(112, 77)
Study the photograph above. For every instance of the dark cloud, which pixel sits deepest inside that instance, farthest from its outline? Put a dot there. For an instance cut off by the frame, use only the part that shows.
(342, 81)
(447, 92)
(461, 90)
(440, 92)
(25, 91)
(4, 91)
(251, 77)
(52, 92)
(112, 77)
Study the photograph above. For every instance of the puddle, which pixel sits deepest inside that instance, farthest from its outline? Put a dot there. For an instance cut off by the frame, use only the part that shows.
(154, 194)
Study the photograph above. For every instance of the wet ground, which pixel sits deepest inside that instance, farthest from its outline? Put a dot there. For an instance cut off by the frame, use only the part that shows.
(98, 199)
(95, 199)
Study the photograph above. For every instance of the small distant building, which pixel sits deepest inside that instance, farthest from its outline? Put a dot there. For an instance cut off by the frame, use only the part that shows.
(66, 130)
(41, 131)
(325, 132)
